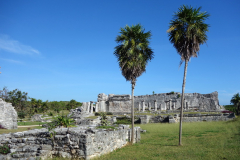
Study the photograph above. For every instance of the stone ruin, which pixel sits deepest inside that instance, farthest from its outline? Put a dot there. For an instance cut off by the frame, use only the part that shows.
(77, 142)
(8, 115)
(158, 102)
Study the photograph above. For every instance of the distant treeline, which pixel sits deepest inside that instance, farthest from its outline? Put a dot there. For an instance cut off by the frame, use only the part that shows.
(27, 105)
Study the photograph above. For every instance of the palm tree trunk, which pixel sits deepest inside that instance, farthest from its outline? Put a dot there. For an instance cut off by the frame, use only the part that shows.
(132, 115)
(182, 102)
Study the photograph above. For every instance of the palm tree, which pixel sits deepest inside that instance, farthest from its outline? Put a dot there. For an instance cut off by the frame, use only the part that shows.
(133, 54)
(187, 32)
(236, 101)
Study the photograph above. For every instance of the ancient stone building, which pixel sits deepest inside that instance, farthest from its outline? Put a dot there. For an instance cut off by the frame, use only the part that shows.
(8, 115)
(157, 102)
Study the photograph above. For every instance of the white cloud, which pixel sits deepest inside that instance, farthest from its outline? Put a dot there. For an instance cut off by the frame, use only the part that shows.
(14, 46)
(12, 61)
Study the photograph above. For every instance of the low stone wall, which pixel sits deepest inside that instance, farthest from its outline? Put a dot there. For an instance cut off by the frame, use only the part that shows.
(82, 142)
(144, 119)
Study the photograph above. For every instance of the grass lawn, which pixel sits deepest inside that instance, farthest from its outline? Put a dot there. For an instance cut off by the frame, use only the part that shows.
(4, 131)
(201, 140)
(30, 123)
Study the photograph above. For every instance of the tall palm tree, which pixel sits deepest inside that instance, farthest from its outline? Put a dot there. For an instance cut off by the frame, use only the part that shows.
(133, 53)
(187, 32)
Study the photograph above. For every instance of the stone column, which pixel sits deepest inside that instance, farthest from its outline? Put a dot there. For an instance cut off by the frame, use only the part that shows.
(174, 105)
(91, 109)
(155, 105)
(143, 106)
(88, 107)
(186, 105)
(139, 106)
(170, 104)
(149, 106)
(84, 106)
(96, 107)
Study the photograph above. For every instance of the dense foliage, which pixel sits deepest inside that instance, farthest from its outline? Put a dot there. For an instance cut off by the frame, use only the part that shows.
(26, 105)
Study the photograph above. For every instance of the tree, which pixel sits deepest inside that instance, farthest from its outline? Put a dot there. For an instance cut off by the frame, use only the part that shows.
(17, 98)
(72, 104)
(133, 53)
(39, 105)
(4, 93)
(45, 106)
(33, 105)
(187, 32)
(236, 101)
(55, 106)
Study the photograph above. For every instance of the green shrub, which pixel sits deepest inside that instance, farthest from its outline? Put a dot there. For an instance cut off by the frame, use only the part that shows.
(103, 118)
(50, 114)
(5, 149)
(109, 113)
(97, 114)
(64, 121)
(178, 96)
(21, 114)
(123, 120)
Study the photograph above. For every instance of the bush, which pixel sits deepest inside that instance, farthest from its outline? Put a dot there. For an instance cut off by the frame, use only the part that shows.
(109, 113)
(123, 120)
(21, 114)
(64, 121)
(170, 93)
(5, 149)
(103, 118)
(97, 114)
(50, 114)
(178, 96)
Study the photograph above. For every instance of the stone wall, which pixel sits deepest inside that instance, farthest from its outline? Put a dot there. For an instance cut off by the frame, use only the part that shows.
(144, 119)
(82, 142)
(8, 115)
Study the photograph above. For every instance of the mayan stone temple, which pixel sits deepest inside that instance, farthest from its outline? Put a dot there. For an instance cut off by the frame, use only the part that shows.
(156, 102)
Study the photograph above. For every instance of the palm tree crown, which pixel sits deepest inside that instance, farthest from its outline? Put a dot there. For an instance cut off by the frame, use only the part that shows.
(133, 52)
(187, 31)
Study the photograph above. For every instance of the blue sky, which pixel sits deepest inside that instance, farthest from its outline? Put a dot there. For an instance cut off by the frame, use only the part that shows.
(63, 50)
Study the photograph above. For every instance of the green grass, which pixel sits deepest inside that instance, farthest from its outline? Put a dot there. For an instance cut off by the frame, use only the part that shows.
(201, 140)
(4, 131)
(92, 117)
(30, 123)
